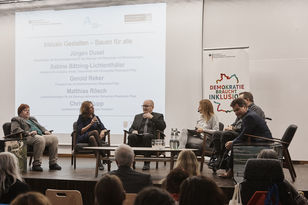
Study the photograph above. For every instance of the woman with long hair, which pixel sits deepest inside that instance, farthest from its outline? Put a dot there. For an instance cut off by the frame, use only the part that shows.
(208, 122)
(188, 162)
(11, 183)
(90, 128)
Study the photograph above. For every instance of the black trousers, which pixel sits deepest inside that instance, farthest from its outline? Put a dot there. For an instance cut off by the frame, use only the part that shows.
(219, 140)
(144, 140)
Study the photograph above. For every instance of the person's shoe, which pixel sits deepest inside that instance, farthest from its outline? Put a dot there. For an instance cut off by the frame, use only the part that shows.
(228, 174)
(37, 168)
(146, 166)
(101, 166)
(212, 162)
(54, 167)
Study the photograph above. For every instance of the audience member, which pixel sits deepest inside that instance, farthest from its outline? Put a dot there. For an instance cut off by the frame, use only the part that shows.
(187, 161)
(11, 183)
(267, 154)
(208, 122)
(31, 198)
(132, 181)
(37, 136)
(200, 190)
(297, 197)
(252, 124)
(154, 196)
(173, 182)
(90, 128)
(144, 128)
(109, 191)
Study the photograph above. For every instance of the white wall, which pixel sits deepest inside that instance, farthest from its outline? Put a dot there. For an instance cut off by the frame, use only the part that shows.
(183, 64)
(7, 71)
(276, 32)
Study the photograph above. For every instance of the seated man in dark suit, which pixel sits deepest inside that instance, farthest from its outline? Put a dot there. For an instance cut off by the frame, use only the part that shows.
(252, 124)
(132, 181)
(232, 131)
(144, 128)
(248, 97)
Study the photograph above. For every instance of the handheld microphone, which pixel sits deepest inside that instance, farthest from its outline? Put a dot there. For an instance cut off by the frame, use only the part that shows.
(96, 121)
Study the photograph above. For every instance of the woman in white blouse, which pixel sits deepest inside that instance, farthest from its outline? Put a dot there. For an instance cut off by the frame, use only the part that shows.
(208, 121)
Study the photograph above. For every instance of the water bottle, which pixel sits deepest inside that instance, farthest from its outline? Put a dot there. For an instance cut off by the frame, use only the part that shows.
(171, 142)
(176, 140)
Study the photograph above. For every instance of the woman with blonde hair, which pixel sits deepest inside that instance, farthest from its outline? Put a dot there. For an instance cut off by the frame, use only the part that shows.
(11, 183)
(188, 162)
(90, 128)
(208, 123)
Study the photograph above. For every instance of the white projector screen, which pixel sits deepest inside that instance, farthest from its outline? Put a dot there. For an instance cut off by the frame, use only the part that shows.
(113, 56)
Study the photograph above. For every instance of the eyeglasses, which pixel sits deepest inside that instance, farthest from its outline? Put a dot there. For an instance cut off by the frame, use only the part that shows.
(145, 105)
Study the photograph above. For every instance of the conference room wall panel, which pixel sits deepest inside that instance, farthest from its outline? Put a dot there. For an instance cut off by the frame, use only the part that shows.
(276, 33)
(274, 30)
(183, 60)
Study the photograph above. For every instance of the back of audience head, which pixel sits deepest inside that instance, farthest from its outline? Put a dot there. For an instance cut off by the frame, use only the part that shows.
(8, 169)
(31, 198)
(200, 190)
(174, 181)
(109, 191)
(124, 155)
(187, 161)
(153, 196)
(268, 154)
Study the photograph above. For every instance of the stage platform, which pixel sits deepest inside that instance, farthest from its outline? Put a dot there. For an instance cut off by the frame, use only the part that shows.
(83, 178)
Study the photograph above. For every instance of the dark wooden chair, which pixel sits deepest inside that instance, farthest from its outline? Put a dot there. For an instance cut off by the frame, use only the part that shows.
(77, 148)
(202, 144)
(7, 132)
(159, 135)
(285, 141)
(259, 175)
(287, 138)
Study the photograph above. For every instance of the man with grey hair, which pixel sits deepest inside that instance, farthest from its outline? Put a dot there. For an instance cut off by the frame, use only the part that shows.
(132, 181)
(145, 127)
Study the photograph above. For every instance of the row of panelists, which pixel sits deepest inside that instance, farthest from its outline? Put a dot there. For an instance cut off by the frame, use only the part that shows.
(250, 119)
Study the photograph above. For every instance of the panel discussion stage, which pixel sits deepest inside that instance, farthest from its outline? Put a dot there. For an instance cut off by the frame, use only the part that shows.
(83, 179)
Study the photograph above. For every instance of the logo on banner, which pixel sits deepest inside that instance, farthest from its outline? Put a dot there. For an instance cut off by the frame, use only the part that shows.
(225, 89)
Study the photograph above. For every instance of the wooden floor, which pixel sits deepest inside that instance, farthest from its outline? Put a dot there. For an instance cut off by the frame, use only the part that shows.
(83, 177)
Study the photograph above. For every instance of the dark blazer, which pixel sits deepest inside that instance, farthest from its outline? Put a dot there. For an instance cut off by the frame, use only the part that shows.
(82, 122)
(156, 123)
(133, 181)
(253, 124)
(13, 191)
(20, 124)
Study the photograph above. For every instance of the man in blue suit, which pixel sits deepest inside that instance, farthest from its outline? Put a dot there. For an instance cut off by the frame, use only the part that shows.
(231, 132)
(252, 124)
